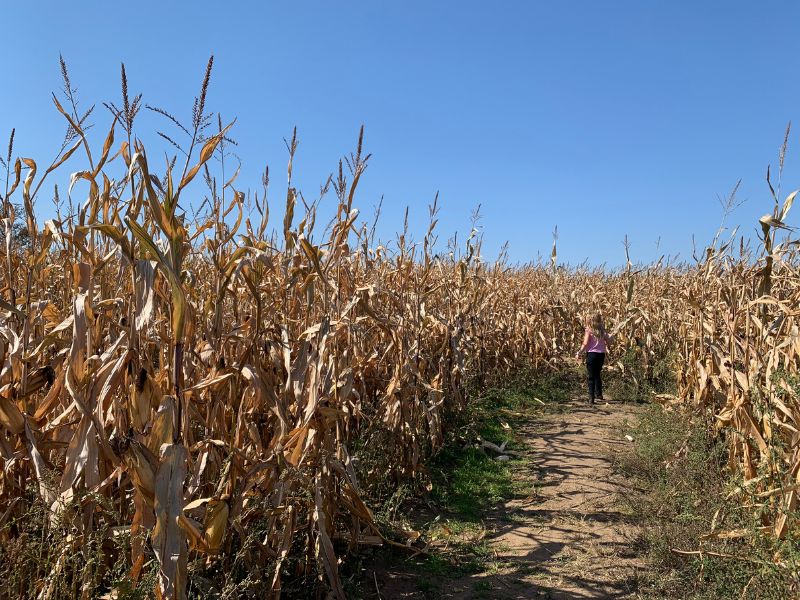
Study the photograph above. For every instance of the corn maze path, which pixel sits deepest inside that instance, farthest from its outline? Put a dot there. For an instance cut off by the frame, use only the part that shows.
(572, 536)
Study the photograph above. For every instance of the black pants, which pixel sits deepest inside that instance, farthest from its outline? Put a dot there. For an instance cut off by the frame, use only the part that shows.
(594, 364)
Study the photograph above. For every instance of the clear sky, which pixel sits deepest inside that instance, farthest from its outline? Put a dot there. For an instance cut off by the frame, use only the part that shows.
(603, 118)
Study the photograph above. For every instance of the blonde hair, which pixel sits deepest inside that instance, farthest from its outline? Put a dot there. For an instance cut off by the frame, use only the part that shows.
(596, 326)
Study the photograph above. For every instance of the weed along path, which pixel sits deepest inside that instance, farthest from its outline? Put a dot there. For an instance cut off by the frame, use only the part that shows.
(565, 533)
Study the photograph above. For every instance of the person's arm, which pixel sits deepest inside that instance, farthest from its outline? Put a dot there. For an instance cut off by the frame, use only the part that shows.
(584, 345)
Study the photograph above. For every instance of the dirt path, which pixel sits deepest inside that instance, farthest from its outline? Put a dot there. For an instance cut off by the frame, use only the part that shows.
(570, 538)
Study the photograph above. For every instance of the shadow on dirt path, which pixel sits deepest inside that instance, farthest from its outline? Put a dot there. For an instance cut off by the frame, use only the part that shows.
(570, 537)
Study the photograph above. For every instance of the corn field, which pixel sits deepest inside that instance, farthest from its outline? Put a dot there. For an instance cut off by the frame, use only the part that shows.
(194, 397)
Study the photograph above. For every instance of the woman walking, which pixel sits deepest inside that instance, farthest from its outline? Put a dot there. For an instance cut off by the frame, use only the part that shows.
(595, 341)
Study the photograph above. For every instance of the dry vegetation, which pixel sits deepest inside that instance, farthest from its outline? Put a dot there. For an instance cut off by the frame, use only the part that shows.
(194, 402)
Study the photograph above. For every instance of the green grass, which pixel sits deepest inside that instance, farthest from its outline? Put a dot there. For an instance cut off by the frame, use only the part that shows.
(682, 473)
(466, 480)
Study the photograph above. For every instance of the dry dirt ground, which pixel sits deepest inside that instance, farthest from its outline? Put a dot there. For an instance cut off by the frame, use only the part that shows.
(571, 537)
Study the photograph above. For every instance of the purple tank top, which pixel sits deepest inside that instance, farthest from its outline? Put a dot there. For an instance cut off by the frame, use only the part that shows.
(595, 344)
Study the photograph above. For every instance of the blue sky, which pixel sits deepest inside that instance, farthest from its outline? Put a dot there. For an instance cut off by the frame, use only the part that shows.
(603, 118)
